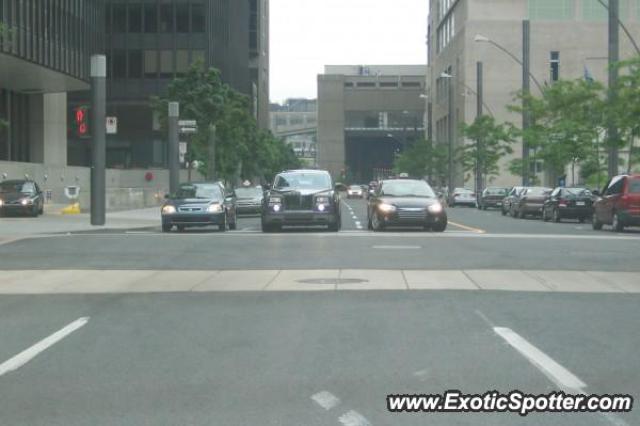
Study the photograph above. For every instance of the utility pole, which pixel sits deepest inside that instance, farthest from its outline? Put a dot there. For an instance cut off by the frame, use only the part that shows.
(526, 90)
(211, 169)
(451, 130)
(480, 101)
(614, 57)
(173, 151)
(99, 151)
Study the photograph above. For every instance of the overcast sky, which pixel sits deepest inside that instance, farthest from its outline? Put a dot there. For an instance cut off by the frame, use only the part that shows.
(308, 34)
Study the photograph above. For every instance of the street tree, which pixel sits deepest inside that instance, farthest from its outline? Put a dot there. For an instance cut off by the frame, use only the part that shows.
(625, 109)
(490, 143)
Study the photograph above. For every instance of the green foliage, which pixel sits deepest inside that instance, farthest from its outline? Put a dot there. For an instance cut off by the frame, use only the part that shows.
(414, 160)
(492, 141)
(242, 149)
(625, 108)
(566, 123)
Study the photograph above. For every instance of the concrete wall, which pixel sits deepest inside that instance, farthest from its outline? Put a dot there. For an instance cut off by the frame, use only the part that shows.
(48, 132)
(126, 189)
(331, 123)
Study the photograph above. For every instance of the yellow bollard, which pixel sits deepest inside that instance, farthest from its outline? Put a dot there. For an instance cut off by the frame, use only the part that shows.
(72, 209)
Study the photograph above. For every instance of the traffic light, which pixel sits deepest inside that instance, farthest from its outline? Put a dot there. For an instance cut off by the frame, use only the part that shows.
(81, 121)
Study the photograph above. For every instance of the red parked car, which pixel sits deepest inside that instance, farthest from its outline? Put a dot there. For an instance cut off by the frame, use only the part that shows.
(619, 204)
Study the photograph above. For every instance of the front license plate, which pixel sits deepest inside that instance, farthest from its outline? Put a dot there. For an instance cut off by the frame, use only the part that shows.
(498, 204)
(580, 203)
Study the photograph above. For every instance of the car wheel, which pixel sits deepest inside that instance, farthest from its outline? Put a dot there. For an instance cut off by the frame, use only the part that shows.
(484, 207)
(34, 211)
(224, 225)
(440, 226)
(369, 225)
(582, 219)
(595, 223)
(521, 214)
(545, 218)
(334, 226)
(504, 212)
(556, 216)
(41, 211)
(376, 223)
(617, 225)
(166, 228)
(180, 228)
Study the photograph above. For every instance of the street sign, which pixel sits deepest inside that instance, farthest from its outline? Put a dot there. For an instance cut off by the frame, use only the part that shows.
(112, 125)
(187, 123)
(186, 130)
(182, 151)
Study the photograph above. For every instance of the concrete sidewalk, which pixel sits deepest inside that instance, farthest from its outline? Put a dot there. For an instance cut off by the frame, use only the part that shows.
(52, 222)
(157, 281)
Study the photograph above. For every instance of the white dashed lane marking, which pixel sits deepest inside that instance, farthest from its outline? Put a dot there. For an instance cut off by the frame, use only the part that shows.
(353, 418)
(326, 400)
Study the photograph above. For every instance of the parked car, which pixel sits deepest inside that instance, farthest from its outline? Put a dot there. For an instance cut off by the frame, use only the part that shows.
(462, 196)
(355, 191)
(530, 202)
(405, 202)
(21, 197)
(512, 196)
(619, 204)
(199, 205)
(492, 197)
(249, 200)
(301, 197)
(568, 203)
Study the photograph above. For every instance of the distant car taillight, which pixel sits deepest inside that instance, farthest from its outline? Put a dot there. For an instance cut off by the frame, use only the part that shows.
(562, 203)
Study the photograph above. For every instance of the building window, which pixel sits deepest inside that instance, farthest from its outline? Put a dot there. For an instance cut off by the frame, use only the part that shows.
(348, 84)
(366, 84)
(119, 64)
(197, 56)
(182, 61)
(166, 18)
(182, 17)
(119, 18)
(555, 66)
(551, 10)
(166, 64)
(411, 84)
(135, 18)
(150, 63)
(197, 17)
(135, 63)
(387, 84)
(593, 10)
(150, 18)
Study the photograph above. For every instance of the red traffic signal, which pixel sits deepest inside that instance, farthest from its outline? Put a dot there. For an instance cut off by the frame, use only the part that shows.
(81, 121)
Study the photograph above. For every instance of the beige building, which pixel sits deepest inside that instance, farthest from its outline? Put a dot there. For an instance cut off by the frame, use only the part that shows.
(568, 41)
(296, 122)
(367, 115)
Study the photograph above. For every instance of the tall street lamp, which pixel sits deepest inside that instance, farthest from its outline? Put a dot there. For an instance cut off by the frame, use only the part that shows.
(527, 76)
(473, 92)
(451, 127)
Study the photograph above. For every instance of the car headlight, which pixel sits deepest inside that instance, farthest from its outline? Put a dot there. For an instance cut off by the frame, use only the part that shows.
(26, 201)
(322, 200)
(435, 208)
(215, 208)
(1, 203)
(386, 208)
(168, 209)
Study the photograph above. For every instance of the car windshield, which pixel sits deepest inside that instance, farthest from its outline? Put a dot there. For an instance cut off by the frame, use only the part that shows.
(355, 187)
(537, 191)
(201, 191)
(17, 187)
(248, 192)
(407, 188)
(578, 192)
(293, 181)
(496, 191)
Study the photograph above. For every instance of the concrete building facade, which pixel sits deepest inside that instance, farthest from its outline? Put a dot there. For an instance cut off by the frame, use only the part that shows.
(367, 115)
(568, 41)
(296, 122)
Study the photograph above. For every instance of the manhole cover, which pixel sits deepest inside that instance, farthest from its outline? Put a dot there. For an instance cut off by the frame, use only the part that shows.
(333, 281)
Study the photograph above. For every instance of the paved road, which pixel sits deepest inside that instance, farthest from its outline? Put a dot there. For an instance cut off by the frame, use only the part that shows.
(211, 354)
(474, 240)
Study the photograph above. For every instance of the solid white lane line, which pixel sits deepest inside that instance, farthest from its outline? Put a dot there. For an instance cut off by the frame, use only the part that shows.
(554, 371)
(353, 418)
(326, 400)
(28, 354)
(397, 247)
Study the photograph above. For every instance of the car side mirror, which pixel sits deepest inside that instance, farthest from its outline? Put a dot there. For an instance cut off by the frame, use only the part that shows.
(340, 187)
(596, 193)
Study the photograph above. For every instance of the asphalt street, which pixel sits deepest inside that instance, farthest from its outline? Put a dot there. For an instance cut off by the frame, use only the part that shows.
(311, 357)
(474, 240)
